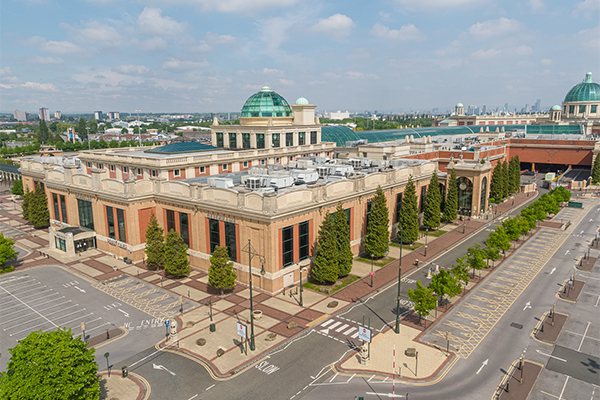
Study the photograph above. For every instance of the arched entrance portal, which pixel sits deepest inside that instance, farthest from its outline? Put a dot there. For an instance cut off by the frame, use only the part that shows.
(465, 196)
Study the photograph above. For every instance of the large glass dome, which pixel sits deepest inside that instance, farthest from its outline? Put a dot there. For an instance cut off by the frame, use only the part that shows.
(585, 91)
(266, 103)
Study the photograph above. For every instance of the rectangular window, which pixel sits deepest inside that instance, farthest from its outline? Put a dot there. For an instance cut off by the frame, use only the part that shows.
(245, 164)
(277, 160)
(565, 109)
(303, 240)
(423, 197)
(230, 240)
(260, 141)
(99, 166)
(276, 140)
(110, 221)
(593, 109)
(56, 209)
(287, 246)
(154, 173)
(184, 228)
(582, 109)
(63, 208)
(348, 219)
(201, 170)
(313, 137)
(246, 140)
(86, 215)
(219, 139)
(232, 141)
(571, 109)
(215, 235)
(125, 170)
(224, 167)
(139, 171)
(302, 138)
(121, 225)
(289, 139)
(60, 243)
(170, 220)
(89, 165)
(262, 162)
(112, 168)
(398, 206)
(176, 172)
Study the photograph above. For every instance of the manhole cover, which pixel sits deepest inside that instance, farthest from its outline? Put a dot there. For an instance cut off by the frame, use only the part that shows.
(515, 325)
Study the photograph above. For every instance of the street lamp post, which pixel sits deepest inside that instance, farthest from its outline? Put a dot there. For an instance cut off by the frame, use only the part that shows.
(397, 330)
(301, 288)
(251, 254)
(88, 135)
(371, 270)
(464, 221)
(139, 129)
(426, 235)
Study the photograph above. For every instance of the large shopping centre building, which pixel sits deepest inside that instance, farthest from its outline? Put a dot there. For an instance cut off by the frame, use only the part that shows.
(271, 180)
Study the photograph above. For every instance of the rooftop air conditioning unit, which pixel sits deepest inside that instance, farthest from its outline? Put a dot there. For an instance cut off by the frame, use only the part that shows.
(253, 183)
(323, 172)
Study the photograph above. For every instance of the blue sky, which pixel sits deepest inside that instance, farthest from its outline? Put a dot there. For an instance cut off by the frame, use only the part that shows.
(210, 55)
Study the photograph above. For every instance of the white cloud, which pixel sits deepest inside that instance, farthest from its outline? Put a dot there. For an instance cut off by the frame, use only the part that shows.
(154, 44)
(51, 46)
(152, 22)
(360, 75)
(546, 61)
(589, 38)
(219, 39)
(238, 6)
(439, 4)
(47, 60)
(494, 27)
(537, 6)
(178, 65)
(485, 54)
(5, 71)
(405, 33)
(286, 82)
(587, 5)
(199, 46)
(95, 32)
(338, 25)
(523, 50)
(131, 69)
(42, 87)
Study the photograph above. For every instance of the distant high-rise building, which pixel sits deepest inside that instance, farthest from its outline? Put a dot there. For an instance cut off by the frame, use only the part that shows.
(112, 115)
(98, 115)
(506, 106)
(44, 114)
(483, 109)
(538, 105)
(472, 110)
(57, 114)
(20, 115)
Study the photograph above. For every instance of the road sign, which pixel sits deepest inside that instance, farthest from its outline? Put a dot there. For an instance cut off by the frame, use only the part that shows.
(106, 355)
(241, 330)
(83, 326)
(167, 323)
(364, 334)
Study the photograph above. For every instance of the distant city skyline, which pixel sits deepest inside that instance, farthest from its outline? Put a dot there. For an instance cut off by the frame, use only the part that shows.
(194, 56)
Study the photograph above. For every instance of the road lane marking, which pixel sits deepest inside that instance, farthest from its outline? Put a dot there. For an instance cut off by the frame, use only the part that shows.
(349, 379)
(551, 356)
(333, 378)
(210, 387)
(584, 333)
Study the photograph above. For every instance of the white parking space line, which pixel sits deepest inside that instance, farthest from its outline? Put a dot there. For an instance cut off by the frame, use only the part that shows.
(4, 282)
(44, 293)
(68, 315)
(19, 317)
(584, 333)
(341, 328)
(80, 318)
(26, 305)
(34, 326)
(63, 309)
(31, 289)
(50, 301)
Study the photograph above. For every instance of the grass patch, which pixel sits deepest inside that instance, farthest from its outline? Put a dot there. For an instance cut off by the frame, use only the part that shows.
(381, 262)
(339, 284)
(437, 233)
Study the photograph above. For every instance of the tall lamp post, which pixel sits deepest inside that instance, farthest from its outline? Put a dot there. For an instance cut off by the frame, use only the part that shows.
(140, 131)
(301, 288)
(372, 273)
(426, 235)
(397, 330)
(251, 254)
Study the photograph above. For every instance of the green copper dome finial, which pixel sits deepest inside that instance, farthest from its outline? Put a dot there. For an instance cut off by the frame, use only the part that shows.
(588, 77)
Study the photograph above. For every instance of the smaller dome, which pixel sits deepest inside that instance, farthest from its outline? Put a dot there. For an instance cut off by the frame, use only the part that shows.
(302, 101)
(459, 105)
(556, 107)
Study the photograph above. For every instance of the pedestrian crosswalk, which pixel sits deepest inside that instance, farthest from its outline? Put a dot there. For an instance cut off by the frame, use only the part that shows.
(10, 232)
(340, 329)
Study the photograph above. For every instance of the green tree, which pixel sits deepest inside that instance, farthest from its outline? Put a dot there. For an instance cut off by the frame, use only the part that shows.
(492, 254)
(444, 283)
(37, 211)
(523, 225)
(17, 187)
(431, 214)
(596, 171)
(93, 125)
(499, 239)
(342, 232)
(512, 167)
(154, 244)
(496, 190)
(124, 131)
(25, 204)
(51, 365)
(460, 270)
(43, 133)
(81, 131)
(451, 204)
(175, 252)
(516, 173)
(423, 299)
(476, 258)
(325, 263)
(377, 237)
(512, 228)
(561, 194)
(409, 213)
(7, 249)
(505, 179)
(113, 144)
(528, 214)
(221, 274)
(549, 204)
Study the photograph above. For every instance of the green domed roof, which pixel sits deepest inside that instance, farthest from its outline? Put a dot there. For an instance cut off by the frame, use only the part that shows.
(302, 101)
(585, 91)
(266, 103)
(459, 105)
(556, 107)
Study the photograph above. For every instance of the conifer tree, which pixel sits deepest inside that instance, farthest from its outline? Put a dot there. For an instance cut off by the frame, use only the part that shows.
(25, 204)
(378, 235)
(505, 178)
(496, 184)
(409, 214)
(451, 204)
(431, 215)
(221, 274)
(342, 232)
(17, 187)
(596, 171)
(154, 244)
(37, 210)
(512, 171)
(175, 252)
(326, 264)
(516, 173)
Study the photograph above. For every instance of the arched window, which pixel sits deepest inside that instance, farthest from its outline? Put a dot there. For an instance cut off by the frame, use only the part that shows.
(465, 195)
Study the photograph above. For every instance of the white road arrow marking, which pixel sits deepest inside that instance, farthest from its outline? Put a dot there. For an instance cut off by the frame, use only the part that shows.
(124, 313)
(527, 305)
(163, 368)
(582, 232)
(591, 220)
(483, 364)
(551, 356)
(81, 290)
(567, 252)
(325, 331)
(553, 269)
(386, 395)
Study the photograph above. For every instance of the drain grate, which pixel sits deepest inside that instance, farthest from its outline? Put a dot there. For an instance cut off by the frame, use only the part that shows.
(515, 325)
